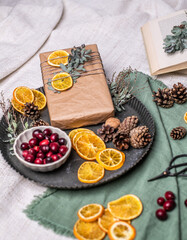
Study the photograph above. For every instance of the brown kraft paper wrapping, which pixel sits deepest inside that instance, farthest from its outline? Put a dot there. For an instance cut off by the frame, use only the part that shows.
(88, 102)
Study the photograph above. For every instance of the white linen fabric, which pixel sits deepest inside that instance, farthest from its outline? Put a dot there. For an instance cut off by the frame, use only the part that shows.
(28, 28)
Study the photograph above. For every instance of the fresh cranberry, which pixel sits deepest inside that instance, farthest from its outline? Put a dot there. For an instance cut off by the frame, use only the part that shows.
(54, 137)
(169, 205)
(161, 201)
(54, 146)
(185, 202)
(38, 161)
(40, 155)
(63, 149)
(24, 146)
(54, 157)
(45, 148)
(37, 148)
(169, 195)
(30, 158)
(25, 153)
(62, 141)
(47, 160)
(44, 142)
(59, 155)
(40, 151)
(161, 214)
(32, 151)
(47, 132)
(33, 142)
(36, 132)
(49, 154)
(40, 136)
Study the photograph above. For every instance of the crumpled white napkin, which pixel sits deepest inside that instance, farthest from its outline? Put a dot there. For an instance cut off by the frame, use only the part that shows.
(24, 27)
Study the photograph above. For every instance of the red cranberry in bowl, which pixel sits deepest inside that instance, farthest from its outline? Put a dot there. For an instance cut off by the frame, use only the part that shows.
(24, 146)
(36, 132)
(49, 154)
(25, 153)
(47, 160)
(38, 161)
(63, 149)
(47, 132)
(32, 151)
(44, 142)
(54, 157)
(169, 195)
(62, 141)
(161, 214)
(54, 137)
(45, 148)
(30, 158)
(33, 142)
(40, 155)
(40, 136)
(54, 146)
(37, 148)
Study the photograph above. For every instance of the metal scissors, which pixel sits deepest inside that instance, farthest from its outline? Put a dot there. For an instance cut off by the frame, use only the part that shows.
(167, 172)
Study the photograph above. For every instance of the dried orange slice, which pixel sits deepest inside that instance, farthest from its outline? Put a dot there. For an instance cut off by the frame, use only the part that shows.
(74, 131)
(126, 208)
(185, 117)
(58, 57)
(88, 145)
(90, 172)
(63, 82)
(77, 135)
(121, 231)
(90, 212)
(88, 231)
(17, 106)
(39, 99)
(23, 95)
(106, 220)
(110, 159)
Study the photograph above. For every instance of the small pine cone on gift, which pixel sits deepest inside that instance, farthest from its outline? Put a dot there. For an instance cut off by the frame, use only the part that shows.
(128, 124)
(31, 111)
(163, 98)
(121, 140)
(106, 133)
(178, 133)
(179, 93)
(140, 137)
(40, 122)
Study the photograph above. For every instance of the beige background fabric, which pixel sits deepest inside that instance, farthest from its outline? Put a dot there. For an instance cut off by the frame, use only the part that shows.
(113, 25)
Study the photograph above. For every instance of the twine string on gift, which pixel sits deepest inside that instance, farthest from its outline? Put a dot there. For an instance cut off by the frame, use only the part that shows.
(81, 70)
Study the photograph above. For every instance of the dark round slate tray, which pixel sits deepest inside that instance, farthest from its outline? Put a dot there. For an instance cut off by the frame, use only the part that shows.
(65, 177)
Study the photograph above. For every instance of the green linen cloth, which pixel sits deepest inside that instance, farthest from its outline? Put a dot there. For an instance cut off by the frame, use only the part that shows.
(57, 209)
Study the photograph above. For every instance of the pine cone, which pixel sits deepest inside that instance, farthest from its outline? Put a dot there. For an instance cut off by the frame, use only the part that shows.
(106, 133)
(140, 137)
(179, 93)
(31, 111)
(40, 122)
(128, 124)
(121, 140)
(163, 98)
(178, 133)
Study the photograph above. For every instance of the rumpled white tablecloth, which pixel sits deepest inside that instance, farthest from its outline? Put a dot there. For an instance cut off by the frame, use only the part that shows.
(28, 27)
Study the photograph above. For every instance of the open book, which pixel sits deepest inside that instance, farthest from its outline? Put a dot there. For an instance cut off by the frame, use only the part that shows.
(154, 33)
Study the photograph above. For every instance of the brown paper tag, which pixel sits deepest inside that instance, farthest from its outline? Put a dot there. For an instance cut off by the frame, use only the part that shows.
(88, 102)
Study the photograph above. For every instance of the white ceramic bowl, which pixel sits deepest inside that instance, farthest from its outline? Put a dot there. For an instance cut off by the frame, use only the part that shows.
(27, 135)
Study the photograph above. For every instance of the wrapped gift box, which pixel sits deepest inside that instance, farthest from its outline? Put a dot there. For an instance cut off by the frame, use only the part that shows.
(88, 102)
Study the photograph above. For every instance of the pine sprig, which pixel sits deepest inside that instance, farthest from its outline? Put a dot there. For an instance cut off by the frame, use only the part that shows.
(178, 40)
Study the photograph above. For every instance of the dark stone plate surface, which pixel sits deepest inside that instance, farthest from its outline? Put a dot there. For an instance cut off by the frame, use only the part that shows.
(65, 177)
